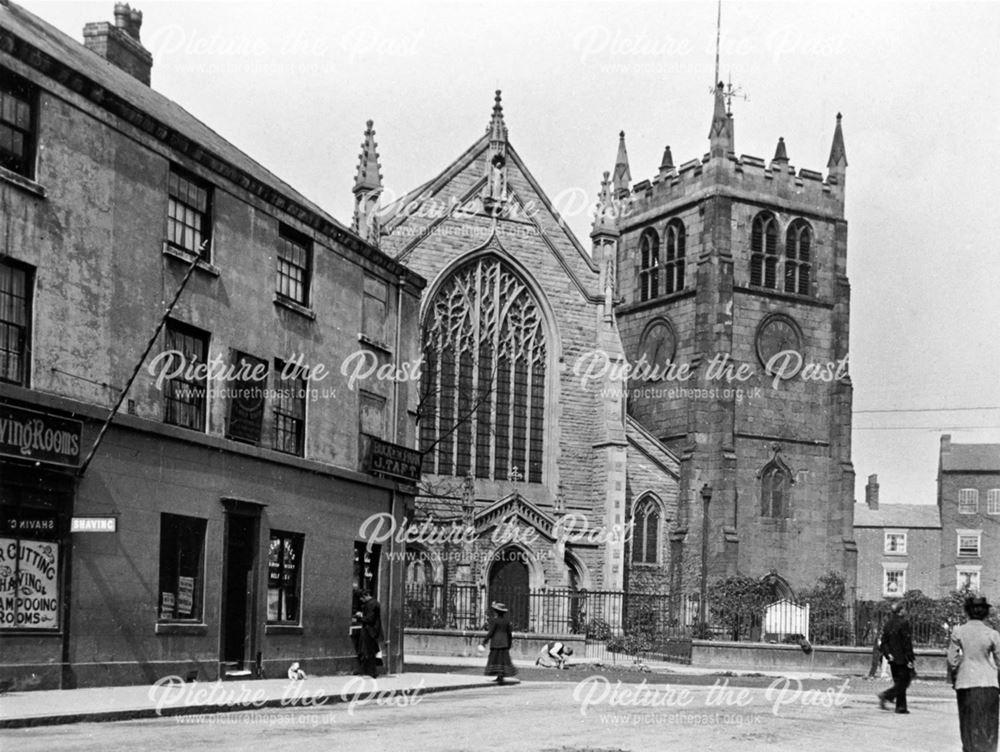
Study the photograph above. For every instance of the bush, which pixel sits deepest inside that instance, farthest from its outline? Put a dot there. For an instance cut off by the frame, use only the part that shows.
(598, 629)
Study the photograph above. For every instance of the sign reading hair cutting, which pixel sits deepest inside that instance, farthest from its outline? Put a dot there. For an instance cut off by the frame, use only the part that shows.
(29, 584)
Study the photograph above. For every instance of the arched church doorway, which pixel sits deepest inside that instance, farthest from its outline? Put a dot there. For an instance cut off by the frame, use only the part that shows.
(508, 580)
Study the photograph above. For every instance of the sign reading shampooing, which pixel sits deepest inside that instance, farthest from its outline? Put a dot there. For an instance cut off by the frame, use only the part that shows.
(29, 584)
(27, 434)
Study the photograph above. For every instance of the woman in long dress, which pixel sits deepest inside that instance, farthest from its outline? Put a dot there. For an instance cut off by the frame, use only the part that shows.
(500, 638)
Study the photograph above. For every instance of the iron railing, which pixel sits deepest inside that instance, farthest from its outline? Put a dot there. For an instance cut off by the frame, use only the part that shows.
(654, 623)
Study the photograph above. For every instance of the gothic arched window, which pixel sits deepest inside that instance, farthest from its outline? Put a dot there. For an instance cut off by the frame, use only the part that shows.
(649, 265)
(674, 265)
(764, 251)
(482, 404)
(798, 257)
(775, 490)
(646, 531)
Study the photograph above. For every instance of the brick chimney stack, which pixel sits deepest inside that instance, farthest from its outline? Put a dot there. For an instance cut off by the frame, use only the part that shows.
(119, 44)
(871, 492)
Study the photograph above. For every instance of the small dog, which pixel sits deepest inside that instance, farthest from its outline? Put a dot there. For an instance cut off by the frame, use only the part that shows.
(295, 673)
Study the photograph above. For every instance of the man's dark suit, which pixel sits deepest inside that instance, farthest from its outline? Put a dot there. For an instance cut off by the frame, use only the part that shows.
(897, 647)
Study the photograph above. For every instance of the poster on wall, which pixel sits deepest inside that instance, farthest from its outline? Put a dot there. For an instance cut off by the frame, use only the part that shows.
(29, 584)
(185, 595)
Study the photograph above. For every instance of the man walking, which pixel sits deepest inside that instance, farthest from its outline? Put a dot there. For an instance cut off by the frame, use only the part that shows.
(897, 647)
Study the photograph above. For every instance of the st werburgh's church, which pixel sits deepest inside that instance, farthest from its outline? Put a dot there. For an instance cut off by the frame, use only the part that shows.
(607, 416)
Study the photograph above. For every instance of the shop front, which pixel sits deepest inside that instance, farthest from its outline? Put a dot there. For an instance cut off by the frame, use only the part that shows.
(39, 452)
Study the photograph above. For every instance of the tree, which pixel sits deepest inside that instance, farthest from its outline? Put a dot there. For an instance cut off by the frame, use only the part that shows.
(828, 610)
(737, 603)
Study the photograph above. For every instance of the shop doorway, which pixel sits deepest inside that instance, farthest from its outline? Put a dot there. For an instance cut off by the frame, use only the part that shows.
(239, 587)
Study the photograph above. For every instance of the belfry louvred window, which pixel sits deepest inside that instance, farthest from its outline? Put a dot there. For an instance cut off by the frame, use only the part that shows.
(764, 251)
(482, 403)
(649, 265)
(798, 257)
(674, 265)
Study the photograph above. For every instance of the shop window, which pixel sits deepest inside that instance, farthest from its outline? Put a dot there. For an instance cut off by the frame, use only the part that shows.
(294, 265)
(30, 555)
(15, 321)
(17, 124)
(284, 578)
(189, 213)
(182, 567)
(289, 410)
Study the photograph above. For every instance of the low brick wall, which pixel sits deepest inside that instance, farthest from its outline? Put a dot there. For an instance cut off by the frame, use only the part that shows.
(455, 642)
(823, 658)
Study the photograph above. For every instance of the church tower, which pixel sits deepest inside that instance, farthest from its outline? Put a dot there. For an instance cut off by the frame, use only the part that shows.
(734, 269)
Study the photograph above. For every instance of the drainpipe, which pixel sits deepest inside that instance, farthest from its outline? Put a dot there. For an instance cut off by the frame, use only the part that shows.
(394, 432)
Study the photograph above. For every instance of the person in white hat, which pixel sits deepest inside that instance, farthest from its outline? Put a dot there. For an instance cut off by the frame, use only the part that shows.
(500, 637)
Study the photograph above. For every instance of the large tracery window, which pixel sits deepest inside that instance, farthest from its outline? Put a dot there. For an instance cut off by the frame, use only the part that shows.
(482, 404)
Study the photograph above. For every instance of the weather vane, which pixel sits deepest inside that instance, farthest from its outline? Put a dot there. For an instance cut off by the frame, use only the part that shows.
(729, 92)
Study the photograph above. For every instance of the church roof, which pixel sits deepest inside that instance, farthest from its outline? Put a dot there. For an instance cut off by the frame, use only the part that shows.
(398, 213)
(898, 515)
(650, 449)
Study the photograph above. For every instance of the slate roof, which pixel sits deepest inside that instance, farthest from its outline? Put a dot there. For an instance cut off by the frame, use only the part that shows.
(108, 77)
(898, 515)
(971, 457)
(650, 450)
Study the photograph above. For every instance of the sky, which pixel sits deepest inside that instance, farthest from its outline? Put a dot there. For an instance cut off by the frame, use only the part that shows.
(292, 84)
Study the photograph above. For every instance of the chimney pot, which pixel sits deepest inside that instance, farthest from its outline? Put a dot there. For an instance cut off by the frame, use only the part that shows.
(119, 43)
(121, 15)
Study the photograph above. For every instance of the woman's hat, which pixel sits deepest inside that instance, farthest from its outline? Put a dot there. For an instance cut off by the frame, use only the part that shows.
(498, 606)
(977, 601)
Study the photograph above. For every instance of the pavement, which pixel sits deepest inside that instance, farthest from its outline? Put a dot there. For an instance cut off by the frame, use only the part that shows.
(60, 706)
(94, 704)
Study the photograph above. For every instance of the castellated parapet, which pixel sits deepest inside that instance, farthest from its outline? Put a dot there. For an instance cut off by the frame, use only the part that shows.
(745, 177)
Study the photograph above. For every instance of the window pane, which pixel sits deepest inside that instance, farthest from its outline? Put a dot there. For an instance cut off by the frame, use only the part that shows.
(182, 543)
(284, 577)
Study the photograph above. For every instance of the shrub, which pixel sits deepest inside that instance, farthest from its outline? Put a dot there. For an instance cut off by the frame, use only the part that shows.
(598, 629)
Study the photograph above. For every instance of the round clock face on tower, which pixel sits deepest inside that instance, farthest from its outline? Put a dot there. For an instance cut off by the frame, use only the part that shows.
(657, 348)
(776, 334)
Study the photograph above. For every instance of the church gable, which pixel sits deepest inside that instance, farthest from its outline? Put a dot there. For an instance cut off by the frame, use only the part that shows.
(510, 517)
